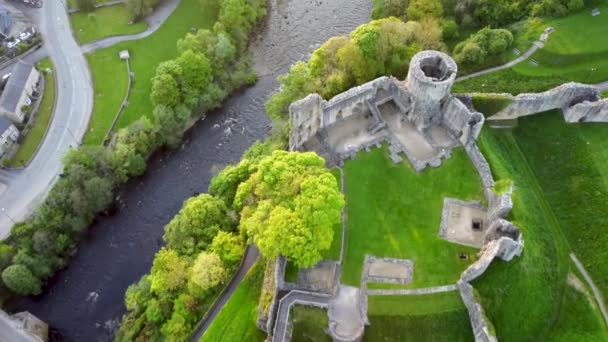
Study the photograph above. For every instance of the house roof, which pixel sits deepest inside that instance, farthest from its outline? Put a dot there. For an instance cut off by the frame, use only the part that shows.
(5, 21)
(15, 86)
(4, 124)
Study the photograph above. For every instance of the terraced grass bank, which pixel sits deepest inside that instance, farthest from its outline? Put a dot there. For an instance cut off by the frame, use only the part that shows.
(104, 22)
(536, 283)
(106, 68)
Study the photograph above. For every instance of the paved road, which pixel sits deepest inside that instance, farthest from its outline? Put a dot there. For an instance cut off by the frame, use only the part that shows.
(74, 105)
(596, 292)
(23, 190)
(537, 45)
(251, 256)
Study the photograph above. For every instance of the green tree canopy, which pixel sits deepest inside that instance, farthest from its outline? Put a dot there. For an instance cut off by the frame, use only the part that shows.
(194, 227)
(19, 279)
(289, 206)
(230, 247)
(169, 273)
(208, 271)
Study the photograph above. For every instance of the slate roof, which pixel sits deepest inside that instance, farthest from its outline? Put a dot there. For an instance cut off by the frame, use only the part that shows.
(4, 124)
(5, 22)
(15, 86)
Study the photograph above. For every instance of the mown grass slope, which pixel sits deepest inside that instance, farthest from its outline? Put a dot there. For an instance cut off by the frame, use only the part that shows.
(104, 22)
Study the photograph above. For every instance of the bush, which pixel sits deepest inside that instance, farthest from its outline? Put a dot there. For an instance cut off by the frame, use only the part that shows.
(20, 279)
(486, 42)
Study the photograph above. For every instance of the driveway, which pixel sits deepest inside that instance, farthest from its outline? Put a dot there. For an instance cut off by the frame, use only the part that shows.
(24, 190)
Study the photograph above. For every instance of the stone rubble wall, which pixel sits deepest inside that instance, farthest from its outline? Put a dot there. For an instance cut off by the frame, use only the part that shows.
(481, 165)
(457, 118)
(479, 323)
(579, 103)
(587, 112)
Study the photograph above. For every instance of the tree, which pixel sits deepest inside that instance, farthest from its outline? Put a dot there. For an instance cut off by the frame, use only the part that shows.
(194, 227)
(19, 279)
(86, 5)
(419, 9)
(138, 295)
(389, 8)
(169, 273)
(165, 91)
(208, 271)
(289, 206)
(170, 123)
(229, 247)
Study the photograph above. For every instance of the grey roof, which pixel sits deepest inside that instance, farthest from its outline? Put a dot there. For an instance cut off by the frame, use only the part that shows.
(4, 124)
(15, 86)
(5, 21)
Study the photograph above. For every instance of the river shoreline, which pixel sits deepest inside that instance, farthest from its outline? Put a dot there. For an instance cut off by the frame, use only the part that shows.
(84, 301)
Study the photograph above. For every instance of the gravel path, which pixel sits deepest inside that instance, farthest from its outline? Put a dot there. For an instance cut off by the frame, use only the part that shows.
(537, 45)
(596, 292)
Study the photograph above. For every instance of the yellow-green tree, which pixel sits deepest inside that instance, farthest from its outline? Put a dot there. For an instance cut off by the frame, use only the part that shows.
(289, 206)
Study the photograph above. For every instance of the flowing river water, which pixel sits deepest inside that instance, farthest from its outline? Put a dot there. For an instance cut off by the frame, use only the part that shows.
(84, 302)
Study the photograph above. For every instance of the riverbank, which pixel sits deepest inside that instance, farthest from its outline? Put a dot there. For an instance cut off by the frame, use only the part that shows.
(117, 250)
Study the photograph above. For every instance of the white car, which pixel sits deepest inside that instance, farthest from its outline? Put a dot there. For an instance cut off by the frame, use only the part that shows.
(13, 43)
(25, 35)
(6, 76)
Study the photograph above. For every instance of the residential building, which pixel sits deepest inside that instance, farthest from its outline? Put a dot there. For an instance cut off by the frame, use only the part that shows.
(6, 22)
(8, 135)
(18, 92)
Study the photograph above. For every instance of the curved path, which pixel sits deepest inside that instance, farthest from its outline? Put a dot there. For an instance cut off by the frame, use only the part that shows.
(251, 256)
(154, 20)
(596, 292)
(537, 45)
(23, 190)
(26, 188)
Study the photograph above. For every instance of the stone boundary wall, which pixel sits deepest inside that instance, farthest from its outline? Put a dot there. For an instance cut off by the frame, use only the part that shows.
(479, 322)
(412, 292)
(578, 102)
(481, 165)
(282, 329)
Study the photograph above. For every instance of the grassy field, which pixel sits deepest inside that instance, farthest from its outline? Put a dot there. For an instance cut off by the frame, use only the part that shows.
(104, 22)
(535, 283)
(434, 317)
(146, 54)
(309, 324)
(236, 320)
(43, 118)
(570, 162)
(394, 211)
(564, 58)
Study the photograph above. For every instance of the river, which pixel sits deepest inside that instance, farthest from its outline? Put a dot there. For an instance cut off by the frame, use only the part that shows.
(84, 302)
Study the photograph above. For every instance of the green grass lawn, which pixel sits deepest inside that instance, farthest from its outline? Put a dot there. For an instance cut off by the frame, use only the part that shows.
(527, 298)
(43, 118)
(236, 320)
(309, 324)
(146, 54)
(434, 317)
(570, 162)
(490, 104)
(566, 57)
(393, 211)
(104, 22)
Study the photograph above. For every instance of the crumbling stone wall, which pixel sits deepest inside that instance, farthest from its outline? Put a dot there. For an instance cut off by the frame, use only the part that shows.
(578, 102)
(482, 327)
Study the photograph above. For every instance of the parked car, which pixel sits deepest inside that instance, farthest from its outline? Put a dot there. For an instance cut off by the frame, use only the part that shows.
(25, 36)
(14, 43)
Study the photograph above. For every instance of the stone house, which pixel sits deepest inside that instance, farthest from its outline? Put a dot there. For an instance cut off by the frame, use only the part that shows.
(18, 92)
(8, 135)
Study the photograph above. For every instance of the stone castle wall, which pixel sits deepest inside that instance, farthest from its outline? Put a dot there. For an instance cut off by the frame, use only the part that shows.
(578, 102)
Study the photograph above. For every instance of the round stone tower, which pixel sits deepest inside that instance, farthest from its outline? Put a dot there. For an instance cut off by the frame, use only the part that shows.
(429, 80)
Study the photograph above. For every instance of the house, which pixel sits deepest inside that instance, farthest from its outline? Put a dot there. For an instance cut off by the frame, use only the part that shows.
(6, 22)
(8, 135)
(22, 84)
